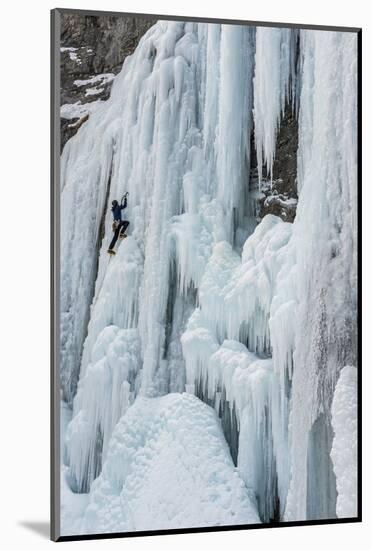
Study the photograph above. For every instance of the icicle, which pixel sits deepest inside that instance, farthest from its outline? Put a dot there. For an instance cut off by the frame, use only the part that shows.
(103, 396)
(274, 83)
(234, 124)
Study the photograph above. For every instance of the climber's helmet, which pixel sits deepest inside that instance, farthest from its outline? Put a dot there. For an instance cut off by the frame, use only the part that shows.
(114, 204)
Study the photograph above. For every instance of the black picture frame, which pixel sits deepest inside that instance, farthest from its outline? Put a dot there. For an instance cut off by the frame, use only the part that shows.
(55, 279)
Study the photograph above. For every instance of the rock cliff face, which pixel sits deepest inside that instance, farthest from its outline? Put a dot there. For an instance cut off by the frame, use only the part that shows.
(279, 195)
(93, 50)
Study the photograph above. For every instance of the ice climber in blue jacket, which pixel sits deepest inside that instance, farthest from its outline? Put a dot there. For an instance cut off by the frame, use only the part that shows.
(119, 225)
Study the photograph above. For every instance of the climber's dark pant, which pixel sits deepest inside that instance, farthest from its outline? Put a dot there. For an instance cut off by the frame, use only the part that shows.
(121, 228)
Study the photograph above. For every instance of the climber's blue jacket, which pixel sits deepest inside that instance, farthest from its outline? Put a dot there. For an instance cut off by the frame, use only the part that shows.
(116, 210)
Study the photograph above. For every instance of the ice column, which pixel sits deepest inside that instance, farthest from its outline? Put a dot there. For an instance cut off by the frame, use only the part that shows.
(325, 270)
(274, 85)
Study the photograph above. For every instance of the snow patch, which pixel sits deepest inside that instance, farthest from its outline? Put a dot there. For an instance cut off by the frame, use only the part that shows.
(100, 79)
(79, 110)
(93, 91)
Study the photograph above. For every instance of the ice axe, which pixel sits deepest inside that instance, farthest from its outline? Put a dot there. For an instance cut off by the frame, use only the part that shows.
(124, 196)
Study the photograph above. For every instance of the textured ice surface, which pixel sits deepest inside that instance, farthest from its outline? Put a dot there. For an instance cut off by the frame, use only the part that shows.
(72, 505)
(322, 275)
(103, 396)
(344, 447)
(156, 138)
(168, 466)
(256, 320)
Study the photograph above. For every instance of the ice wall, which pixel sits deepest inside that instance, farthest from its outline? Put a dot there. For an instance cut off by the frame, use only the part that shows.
(324, 246)
(344, 418)
(176, 125)
(86, 171)
(290, 300)
(257, 321)
(228, 354)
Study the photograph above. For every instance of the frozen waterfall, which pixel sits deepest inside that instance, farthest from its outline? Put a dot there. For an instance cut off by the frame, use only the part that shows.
(256, 320)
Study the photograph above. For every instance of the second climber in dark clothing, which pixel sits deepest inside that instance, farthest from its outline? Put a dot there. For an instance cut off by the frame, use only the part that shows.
(119, 225)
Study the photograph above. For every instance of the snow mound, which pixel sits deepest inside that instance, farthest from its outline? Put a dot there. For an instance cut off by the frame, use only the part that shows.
(344, 446)
(168, 466)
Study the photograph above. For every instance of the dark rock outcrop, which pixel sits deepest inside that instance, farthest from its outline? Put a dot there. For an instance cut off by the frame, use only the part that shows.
(93, 50)
(278, 195)
(285, 162)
